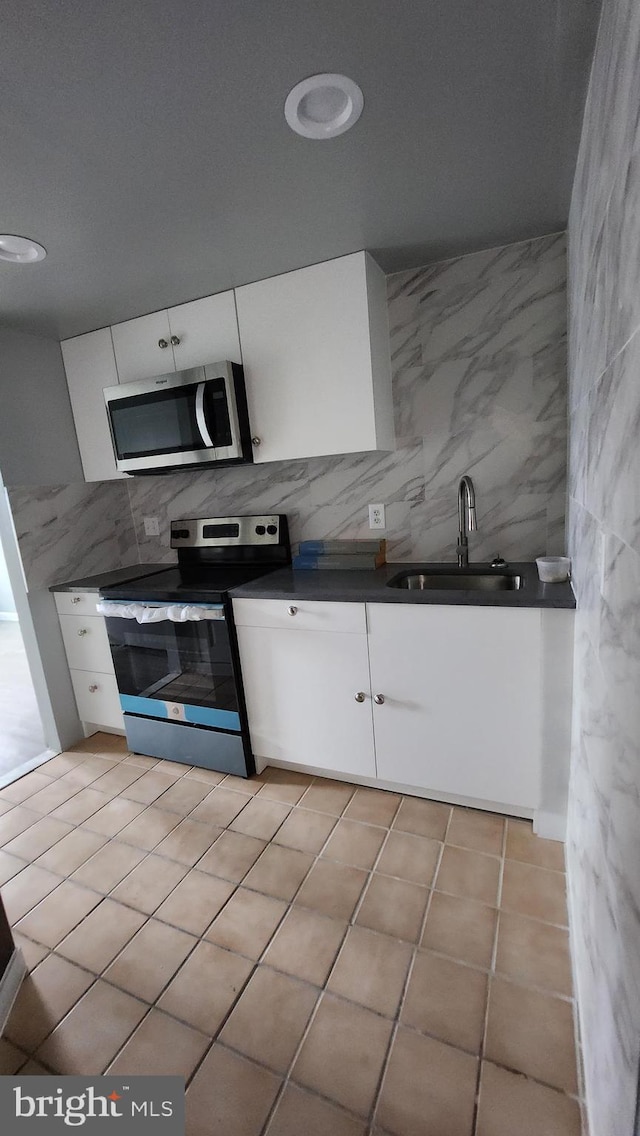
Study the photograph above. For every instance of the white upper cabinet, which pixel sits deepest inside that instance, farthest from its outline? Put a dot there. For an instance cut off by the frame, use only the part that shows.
(207, 331)
(315, 347)
(202, 331)
(143, 347)
(90, 366)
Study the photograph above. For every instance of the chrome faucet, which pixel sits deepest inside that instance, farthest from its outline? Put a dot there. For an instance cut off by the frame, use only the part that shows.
(466, 518)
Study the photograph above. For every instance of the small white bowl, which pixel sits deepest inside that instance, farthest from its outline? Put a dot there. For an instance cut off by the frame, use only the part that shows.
(553, 569)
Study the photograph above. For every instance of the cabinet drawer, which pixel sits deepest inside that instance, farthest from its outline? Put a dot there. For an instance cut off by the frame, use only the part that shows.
(86, 643)
(76, 603)
(97, 698)
(301, 615)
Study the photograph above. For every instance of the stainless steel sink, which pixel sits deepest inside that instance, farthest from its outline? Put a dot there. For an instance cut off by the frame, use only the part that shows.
(460, 580)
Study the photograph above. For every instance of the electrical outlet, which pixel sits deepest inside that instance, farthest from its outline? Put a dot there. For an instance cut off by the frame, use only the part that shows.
(376, 517)
(151, 526)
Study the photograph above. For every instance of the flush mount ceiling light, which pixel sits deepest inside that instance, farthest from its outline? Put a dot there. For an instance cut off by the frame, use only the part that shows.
(323, 106)
(20, 250)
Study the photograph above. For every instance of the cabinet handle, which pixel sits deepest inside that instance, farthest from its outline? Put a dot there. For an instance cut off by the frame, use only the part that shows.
(360, 696)
(83, 631)
(75, 599)
(292, 610)
(162, 343)
(256, 441)
(174, 341)
(378, 699)
(93, 687)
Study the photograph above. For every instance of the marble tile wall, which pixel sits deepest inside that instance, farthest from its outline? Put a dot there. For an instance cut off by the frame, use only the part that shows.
(67, 531)
(479, 372)
(604, 541)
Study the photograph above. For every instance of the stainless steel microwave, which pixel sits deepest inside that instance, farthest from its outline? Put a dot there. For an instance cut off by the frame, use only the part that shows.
(191, 418)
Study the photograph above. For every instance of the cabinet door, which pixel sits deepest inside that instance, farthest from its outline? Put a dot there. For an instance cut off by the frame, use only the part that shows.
(300, 689)
(137, 347)
(90, 367)
(207, 330)
(309, 365)
(462, 701)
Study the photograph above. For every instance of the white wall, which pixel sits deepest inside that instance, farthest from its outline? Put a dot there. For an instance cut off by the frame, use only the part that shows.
(7, 602)
(38, 443)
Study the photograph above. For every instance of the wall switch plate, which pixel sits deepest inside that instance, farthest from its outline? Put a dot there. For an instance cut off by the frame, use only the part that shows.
(151, 526)
(376, 517)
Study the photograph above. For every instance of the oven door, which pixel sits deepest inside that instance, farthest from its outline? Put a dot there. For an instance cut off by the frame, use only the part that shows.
(185, 419)
(182, 671)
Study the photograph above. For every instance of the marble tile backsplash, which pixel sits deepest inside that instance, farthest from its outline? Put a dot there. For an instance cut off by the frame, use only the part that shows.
(604, 541)
(74, 530)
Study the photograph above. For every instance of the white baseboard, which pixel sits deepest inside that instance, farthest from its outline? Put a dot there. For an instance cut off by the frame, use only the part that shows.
(10, 984)
(399, 787)
(551, 826)
(9, 616)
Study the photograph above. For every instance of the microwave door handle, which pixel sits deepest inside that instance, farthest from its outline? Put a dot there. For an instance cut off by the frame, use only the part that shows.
(201, 419)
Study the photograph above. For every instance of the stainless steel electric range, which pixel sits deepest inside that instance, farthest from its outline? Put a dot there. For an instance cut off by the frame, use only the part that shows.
(174, 646)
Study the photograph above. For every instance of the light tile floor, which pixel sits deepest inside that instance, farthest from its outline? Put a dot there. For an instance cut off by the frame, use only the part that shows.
(312, 956)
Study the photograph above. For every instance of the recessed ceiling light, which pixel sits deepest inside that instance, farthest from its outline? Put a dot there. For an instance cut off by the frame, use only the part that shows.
(20, 250)
(323, 106)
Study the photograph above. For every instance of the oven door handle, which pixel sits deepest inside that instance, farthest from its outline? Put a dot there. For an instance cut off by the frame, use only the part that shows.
(201, 417)
(160, 613)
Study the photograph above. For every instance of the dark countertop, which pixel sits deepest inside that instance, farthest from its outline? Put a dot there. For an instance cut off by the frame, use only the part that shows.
(370, 587)
(109, 579)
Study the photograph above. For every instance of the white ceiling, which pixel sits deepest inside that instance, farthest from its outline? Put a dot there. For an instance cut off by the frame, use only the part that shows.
(143, 142)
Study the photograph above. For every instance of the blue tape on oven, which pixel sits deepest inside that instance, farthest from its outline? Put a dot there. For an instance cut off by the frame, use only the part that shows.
(198, 715)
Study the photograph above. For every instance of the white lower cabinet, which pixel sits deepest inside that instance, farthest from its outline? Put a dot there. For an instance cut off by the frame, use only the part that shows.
(97, 698)
(451, 696)
(86, 645)
(462, 699)
(301, 685)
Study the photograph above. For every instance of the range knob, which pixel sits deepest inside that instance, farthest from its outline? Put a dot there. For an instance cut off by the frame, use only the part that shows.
(260, 530)
(272, 529)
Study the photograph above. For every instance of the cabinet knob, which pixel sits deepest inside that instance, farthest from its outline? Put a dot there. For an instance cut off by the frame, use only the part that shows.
(174, 340)
(292, 610)
(256, 441)
(75, 599)
(360, 696)
(378, 699)
(83, 631)
(163, 343)
(93, 687)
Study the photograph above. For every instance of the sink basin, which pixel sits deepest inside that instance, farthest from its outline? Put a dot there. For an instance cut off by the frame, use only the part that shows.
(457, 580)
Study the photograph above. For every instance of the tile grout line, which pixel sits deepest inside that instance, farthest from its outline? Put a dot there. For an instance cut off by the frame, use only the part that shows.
(491, 972)
(405, 988)
(349, 924)
(257, 963)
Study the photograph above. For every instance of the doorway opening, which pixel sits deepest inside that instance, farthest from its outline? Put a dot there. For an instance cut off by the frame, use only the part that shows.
(24, 740)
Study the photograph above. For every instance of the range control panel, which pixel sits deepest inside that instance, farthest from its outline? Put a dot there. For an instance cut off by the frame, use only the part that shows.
(226, 532)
